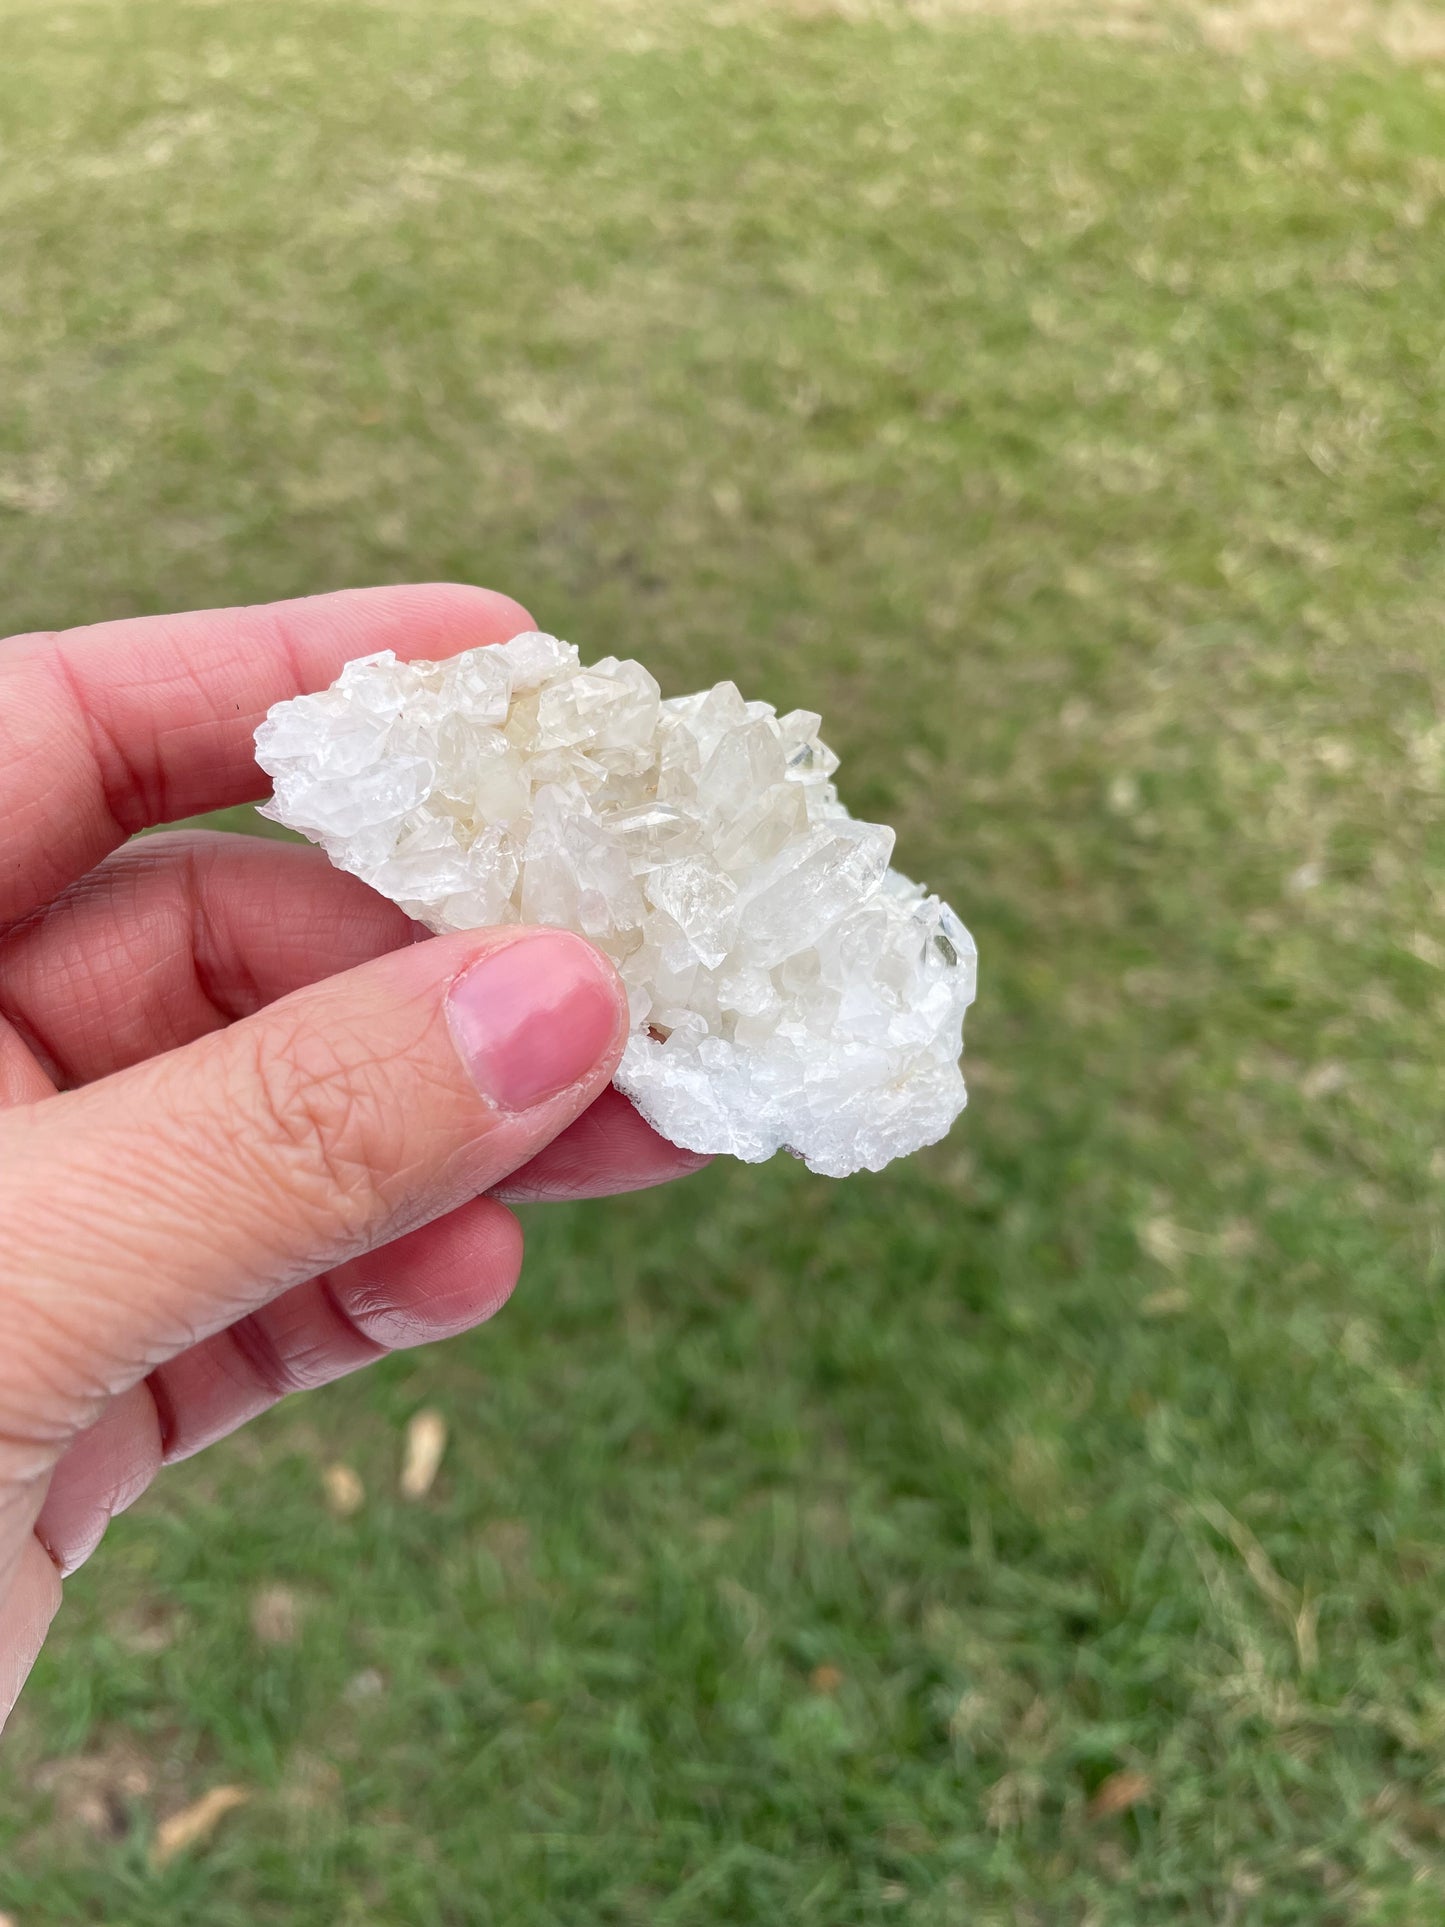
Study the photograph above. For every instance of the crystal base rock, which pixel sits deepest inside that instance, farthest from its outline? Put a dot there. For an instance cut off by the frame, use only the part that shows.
(787, 988)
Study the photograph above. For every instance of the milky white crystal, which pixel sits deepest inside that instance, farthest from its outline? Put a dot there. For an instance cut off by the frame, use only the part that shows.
(787, 988)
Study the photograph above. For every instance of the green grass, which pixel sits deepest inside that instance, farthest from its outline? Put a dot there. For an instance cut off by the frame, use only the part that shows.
(1064, 418)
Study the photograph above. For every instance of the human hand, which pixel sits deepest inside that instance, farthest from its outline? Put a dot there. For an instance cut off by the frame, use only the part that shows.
(252, 1134)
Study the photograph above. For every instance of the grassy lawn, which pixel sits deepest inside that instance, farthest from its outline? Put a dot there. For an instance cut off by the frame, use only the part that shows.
(1048, 1532)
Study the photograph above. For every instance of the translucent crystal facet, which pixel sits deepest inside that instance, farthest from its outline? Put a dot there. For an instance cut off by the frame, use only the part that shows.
(787, 988)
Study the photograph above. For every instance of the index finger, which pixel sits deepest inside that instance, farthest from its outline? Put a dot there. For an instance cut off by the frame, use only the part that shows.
(108, 729)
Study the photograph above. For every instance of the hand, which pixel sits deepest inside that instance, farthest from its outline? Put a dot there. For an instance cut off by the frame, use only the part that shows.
(254, 1134)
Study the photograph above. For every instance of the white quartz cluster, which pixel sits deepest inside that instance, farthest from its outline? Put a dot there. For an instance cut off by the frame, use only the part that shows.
(787, 988)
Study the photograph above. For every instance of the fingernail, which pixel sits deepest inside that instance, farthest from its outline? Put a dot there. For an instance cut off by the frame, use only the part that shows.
(533, 1018)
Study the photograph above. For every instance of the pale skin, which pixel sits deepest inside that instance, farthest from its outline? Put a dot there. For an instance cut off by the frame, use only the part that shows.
(254, 1134)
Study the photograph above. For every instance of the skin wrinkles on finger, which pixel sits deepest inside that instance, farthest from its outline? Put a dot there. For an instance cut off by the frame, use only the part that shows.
(72, 1227)
(55, 1242)
(320, 1101)
(108, 973)
(38, 1374)
(63, 969)
(50, 848)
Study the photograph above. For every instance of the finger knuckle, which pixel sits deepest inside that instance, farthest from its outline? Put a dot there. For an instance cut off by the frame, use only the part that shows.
(323, 1134)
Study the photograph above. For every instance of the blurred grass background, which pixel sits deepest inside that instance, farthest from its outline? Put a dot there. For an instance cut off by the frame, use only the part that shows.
(1050, 1529)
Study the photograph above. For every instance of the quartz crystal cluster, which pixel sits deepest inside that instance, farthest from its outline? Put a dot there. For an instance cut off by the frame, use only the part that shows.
(787, 988)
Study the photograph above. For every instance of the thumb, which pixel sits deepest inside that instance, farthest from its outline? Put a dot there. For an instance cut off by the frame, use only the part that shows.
(157, 1206)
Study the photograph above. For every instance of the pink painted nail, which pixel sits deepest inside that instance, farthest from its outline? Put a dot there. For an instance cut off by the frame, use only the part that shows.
(534, 1017)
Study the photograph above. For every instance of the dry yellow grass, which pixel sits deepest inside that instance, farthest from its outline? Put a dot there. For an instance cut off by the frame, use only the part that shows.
(1411, 32)
(1404, 30)
(1408, 31)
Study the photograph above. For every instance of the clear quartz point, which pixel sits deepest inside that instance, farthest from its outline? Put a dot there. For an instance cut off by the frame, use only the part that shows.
(787, 989)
